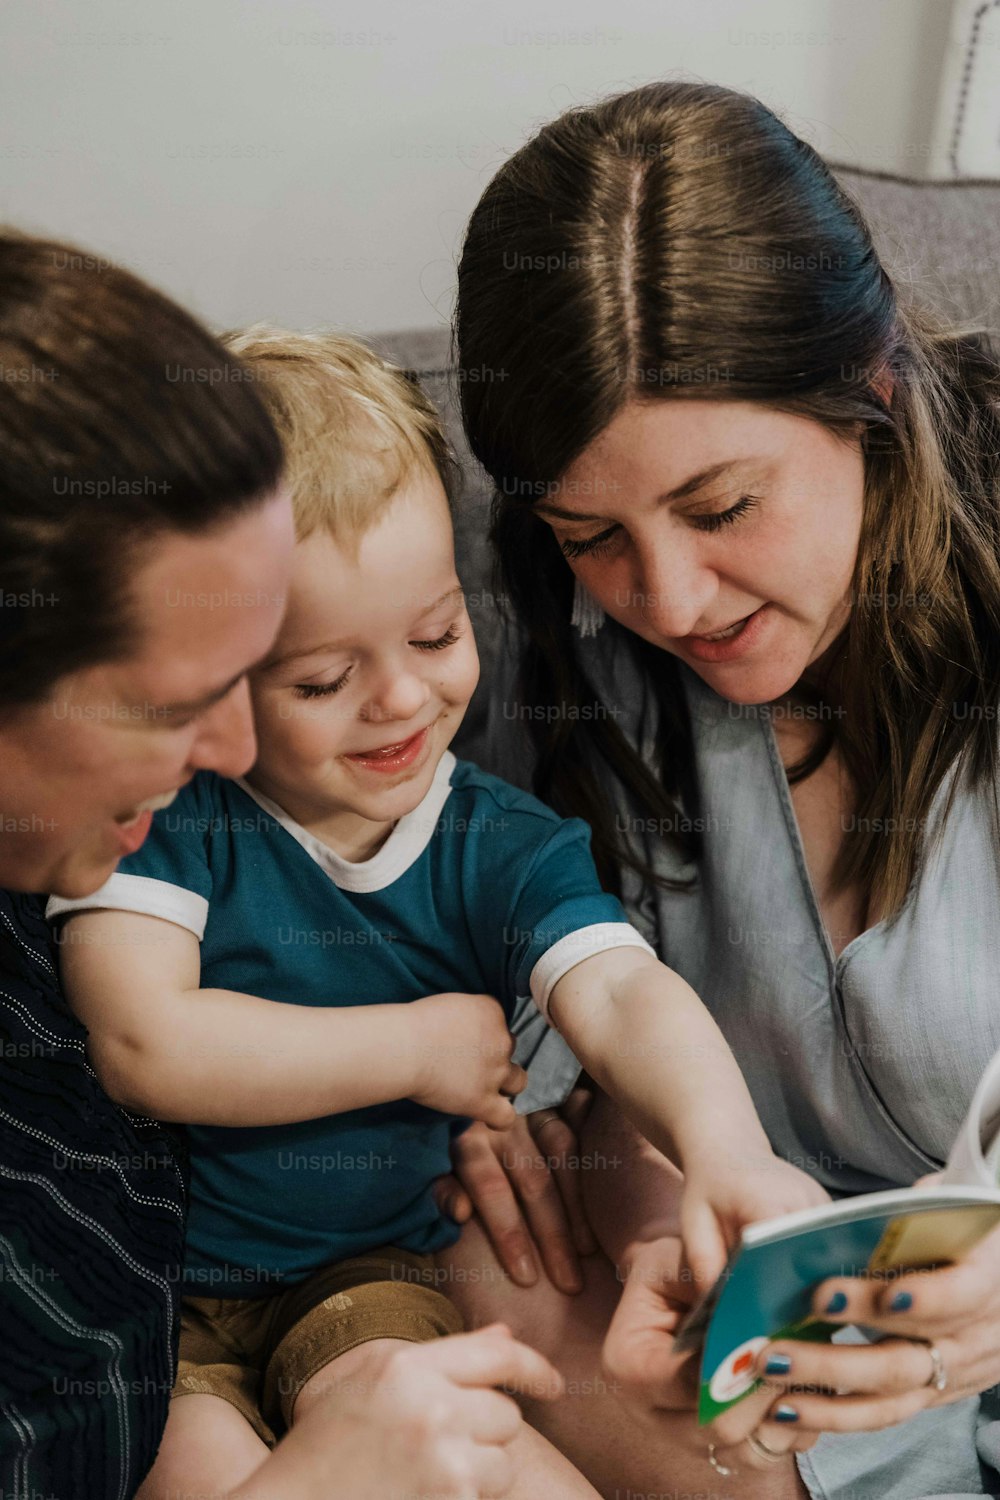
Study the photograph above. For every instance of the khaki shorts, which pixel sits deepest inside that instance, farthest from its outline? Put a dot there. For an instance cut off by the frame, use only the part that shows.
(257, 1353)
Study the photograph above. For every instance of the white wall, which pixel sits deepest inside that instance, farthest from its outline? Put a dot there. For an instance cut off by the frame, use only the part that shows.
(315, 163)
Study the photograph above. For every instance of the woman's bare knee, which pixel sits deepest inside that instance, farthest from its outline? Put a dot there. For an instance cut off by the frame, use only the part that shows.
(543, 1316)
(613, 1442)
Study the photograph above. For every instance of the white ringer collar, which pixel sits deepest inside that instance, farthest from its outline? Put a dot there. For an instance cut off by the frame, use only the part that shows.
(402, 848)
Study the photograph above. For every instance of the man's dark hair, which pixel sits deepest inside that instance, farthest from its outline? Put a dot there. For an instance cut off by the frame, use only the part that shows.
(121, 419)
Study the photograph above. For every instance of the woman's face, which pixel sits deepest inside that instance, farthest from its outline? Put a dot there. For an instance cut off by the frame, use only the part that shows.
(687, 517)
(83, 768)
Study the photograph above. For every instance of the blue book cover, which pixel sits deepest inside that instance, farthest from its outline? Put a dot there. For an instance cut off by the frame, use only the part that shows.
(766, 1289)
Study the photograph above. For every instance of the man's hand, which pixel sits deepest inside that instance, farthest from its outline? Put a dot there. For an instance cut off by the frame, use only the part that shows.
(424, 1420)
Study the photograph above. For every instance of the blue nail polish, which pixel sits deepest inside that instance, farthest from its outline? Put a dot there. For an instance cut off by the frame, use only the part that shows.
(784, 1413)
(837, 1303)
(778, 1364)
(902, 1302)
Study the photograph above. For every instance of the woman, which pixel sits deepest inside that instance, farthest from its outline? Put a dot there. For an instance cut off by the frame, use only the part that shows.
(747, 512)
(145, 544)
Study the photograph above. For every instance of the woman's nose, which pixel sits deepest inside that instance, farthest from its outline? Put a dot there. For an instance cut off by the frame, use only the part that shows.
(674, 589)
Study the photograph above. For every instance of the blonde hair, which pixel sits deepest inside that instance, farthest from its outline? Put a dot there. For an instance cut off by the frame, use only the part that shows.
(353, 426)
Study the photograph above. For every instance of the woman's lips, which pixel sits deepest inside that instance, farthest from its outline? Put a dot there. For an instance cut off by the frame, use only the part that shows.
(390, 758)
(728, 647)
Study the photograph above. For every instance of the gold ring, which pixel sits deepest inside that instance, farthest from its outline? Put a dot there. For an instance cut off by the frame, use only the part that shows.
(543, 1117)
(723, 1469)
(757, 1445)
(938, 1378)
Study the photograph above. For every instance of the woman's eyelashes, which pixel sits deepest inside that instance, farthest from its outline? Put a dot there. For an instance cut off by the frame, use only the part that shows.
(324, 689)
(726, 517)
(593, 546)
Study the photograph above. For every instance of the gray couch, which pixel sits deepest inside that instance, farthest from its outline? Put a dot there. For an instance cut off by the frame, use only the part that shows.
(940, 239)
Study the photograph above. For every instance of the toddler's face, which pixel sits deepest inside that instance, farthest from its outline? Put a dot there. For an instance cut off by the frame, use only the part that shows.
(371, 673)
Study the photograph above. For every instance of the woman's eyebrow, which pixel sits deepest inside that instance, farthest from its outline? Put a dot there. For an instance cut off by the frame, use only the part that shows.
(698, 481)
(689, 486)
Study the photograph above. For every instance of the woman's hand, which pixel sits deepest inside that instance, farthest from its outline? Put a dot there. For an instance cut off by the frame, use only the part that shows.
(658, 1294)
(723, 1194)
(955, 1310)
(638, 1353)
(524, 1184)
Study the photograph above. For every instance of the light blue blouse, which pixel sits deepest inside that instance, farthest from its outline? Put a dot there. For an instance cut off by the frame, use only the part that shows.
(861, 1066)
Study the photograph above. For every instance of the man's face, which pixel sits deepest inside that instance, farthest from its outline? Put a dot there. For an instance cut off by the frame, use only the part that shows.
(83, 769)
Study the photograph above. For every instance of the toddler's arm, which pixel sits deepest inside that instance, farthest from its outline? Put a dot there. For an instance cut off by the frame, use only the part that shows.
(166, 1047)
(641, 1031)
(647, 1039)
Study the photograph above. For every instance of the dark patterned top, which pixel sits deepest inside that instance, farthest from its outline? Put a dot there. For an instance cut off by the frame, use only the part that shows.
(92, 1205)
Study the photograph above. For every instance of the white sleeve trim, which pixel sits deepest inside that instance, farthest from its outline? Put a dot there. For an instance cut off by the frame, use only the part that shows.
(573, 949)
(140, 893)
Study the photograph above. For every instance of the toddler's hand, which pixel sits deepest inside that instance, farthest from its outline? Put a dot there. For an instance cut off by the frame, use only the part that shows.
(723, 1195)
(463, 1063)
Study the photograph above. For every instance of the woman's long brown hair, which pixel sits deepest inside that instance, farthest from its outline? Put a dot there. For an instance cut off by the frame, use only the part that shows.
(679, 241)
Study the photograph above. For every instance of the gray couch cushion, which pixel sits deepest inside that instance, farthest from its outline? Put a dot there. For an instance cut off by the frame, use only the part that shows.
(940, 239)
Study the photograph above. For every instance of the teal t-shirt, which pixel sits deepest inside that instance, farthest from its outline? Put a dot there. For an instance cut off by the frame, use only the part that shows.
(472, 891)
